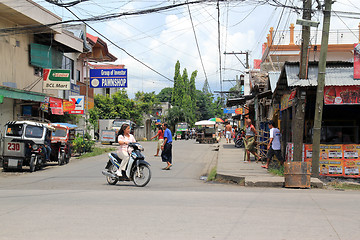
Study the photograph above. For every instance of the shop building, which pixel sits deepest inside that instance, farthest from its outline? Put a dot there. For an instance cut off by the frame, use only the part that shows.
(26, 50)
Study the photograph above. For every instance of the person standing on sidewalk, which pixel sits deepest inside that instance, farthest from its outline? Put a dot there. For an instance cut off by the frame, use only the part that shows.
(166, 147)
(250, 141)
(228, 132)
(160, 136)
(274, 146)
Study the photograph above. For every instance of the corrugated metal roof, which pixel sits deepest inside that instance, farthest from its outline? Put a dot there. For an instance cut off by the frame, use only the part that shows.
(336, 75)
(274, 77)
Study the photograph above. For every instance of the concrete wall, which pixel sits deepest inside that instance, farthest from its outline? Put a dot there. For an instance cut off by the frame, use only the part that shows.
(14, 61)
(6, 113)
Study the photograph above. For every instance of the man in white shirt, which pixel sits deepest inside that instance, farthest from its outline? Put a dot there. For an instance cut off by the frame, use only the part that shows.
(274, 146)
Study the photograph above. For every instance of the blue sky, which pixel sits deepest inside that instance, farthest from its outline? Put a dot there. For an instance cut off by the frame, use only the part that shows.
(160, 39)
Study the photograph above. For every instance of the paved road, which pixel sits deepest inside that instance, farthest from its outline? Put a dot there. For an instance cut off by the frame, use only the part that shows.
(75, 202)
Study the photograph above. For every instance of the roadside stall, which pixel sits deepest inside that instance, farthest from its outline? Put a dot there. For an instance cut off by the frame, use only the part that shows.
(206, 132)
(340, 146)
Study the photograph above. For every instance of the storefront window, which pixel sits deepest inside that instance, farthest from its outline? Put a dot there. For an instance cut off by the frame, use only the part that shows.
(338, 134)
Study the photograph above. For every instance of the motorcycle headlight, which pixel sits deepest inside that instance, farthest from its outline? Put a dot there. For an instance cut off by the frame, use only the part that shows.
(141, 148)
(35, 147)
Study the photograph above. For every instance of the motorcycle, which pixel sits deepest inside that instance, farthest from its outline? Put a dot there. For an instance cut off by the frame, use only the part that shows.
(239, 139)
(137, 169)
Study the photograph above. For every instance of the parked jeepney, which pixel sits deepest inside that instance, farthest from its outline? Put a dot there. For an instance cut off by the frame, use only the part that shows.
(182, 131)
(25, 144)
(61, 142)
(206, 132)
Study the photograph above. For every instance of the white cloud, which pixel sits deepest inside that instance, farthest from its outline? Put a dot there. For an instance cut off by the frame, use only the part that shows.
(160, 39)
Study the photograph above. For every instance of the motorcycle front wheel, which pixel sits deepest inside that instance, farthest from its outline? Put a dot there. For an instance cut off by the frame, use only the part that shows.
(32, 163)
(142, 176)
(111, 180)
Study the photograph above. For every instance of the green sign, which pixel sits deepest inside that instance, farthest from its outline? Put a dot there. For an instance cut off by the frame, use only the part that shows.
(56, 79)
(57, 74)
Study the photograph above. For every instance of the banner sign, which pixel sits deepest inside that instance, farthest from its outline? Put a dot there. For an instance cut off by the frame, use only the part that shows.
(341, 95)
(74, 89)
(79, 103)
(337, 160)
(58, 79)
(287, 100)
(56, 106)
(44, 107)
(108, 78)
(229, 110)
(68, 106)
(108, 136)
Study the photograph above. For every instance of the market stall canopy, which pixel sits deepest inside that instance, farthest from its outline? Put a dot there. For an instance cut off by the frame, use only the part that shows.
(205, 122)
(67, 125)
(216, 120)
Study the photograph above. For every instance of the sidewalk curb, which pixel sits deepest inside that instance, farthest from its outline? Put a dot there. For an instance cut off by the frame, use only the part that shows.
(214, 155)
(231, 169)
(237, 180)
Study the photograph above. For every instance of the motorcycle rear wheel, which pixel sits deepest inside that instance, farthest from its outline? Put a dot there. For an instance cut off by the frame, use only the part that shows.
(111, 180)
(142, 179)
(239, 143)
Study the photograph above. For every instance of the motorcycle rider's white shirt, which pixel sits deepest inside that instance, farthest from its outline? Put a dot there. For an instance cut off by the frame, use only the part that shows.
(124, 151)
(124, 147)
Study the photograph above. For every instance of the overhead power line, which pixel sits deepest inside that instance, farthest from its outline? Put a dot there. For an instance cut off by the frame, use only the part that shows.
(103, 17)
(122, 49)
(61, 4)
(206, 84)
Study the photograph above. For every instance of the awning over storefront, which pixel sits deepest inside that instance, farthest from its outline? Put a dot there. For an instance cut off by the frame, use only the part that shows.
(336, 74)
(14, 93)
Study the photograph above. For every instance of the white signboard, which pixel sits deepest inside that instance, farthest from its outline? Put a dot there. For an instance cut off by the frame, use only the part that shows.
(79, 102)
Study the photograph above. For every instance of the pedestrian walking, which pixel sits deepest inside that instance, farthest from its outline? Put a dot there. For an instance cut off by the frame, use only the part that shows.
(274, 146)
(250, 141)
(234, 132)
(228, 132)
(160, 136)
(166, 147)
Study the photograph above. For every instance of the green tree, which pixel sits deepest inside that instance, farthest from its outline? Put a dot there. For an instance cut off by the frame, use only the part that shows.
(165, 95)
(176, 97)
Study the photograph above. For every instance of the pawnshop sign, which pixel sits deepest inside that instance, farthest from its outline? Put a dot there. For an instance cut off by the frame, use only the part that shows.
(108, 78)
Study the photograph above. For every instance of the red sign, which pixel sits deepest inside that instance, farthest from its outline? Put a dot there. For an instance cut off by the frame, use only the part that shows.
(357, 61)
(257, 63)
(339, 95)
(56, 106)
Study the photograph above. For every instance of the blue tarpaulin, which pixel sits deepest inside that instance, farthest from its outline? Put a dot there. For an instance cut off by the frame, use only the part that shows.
(67, 124)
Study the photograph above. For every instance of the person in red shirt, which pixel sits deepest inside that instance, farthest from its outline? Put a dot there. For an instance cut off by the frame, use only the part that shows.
(160, 136)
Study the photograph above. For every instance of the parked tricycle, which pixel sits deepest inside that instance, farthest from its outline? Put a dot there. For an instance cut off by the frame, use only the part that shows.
(61, 142)
(25, 144)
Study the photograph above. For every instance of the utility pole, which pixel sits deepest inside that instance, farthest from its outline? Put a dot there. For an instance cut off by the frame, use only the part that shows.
(246, 65)
(301, 95)
(87, 95)
(320, 89)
